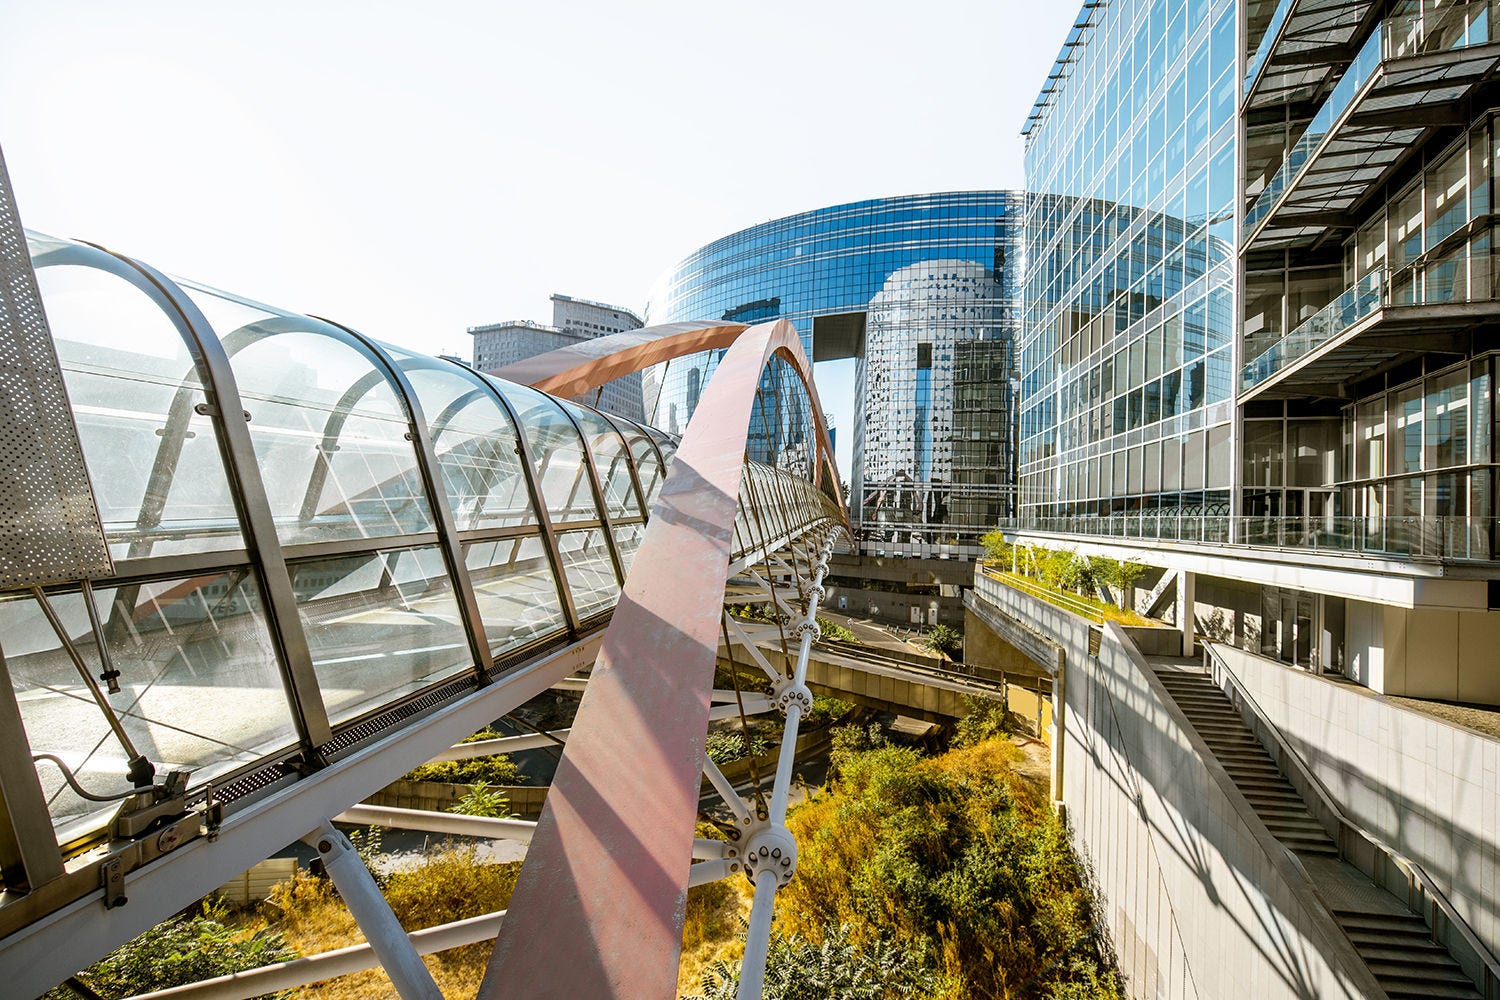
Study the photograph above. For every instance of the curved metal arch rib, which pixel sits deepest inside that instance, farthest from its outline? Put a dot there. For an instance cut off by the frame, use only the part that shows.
(602, 893)
(573, 370)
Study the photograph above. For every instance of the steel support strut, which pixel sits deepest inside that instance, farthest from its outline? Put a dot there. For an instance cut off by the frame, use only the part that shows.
(398, 956)
(771, 851)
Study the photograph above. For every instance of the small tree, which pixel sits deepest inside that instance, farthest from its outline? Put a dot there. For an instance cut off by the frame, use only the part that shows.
(996, 549)
(943, 640)
(482, 802)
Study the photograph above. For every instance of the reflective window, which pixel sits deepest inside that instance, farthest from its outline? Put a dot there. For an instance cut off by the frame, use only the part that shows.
(200, 689)
(476, 446)
(591, 575)
(331, 435)
(380, 625)
(138, 401)
(558, 451)
(514, 586)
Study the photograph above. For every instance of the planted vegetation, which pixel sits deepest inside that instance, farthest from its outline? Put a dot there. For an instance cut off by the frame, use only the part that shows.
(941, 878)
(1100, 583)
(496, 769)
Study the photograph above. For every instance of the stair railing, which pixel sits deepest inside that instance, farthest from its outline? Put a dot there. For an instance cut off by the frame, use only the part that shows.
(1385, 866)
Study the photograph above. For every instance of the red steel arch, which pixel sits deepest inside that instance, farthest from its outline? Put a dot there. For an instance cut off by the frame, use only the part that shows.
(598, 909)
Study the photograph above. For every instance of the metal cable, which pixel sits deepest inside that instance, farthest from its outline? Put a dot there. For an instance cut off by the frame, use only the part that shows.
(73, 782)
(734, 675)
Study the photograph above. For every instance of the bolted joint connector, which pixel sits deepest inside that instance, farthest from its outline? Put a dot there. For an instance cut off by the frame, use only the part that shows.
(773, 849)
(788, 694)
(816, 593)
(821, 566)
(800, 625)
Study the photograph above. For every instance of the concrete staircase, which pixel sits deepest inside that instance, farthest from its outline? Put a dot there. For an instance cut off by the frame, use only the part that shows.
(1395, 943)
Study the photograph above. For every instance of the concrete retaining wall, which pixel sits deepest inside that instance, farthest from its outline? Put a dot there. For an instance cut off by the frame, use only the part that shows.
(437, 796)
(1427, 788)
(1199, 899)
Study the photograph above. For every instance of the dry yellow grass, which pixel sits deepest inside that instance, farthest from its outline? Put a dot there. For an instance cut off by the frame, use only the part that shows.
(451, 885)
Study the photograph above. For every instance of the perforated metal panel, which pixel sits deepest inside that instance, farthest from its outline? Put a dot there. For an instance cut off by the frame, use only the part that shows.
(49, 522)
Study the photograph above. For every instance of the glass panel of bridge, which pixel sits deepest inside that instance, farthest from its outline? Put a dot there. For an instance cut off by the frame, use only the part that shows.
(330, 430)
(647, 464)
(559, 453)
(475, 443)
(517, 594)
(153, 459)
(627, 541)
(611, 462)
(200, 689)
(591, 575)
(380, 625)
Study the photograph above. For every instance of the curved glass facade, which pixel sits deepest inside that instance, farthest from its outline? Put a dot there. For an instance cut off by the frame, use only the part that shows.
(314, 534)
(922, 290)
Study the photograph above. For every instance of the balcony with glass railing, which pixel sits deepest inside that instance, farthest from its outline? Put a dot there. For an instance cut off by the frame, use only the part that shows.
(1267, 43)
(1462, 277)
(1431, 29)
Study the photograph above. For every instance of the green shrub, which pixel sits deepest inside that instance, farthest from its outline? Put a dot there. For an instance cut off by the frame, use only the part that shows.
(725, 745)
(986, 719)
(943, 640)
(997, 549)
(838, 633)
(828, 709)
(836, 969)
(180, 951)
(480, 801)
(450, 884)
(850, 741)
(955, 857)
(496, 769)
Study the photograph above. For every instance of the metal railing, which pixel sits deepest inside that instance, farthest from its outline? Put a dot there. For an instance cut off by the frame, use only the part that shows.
(1398, 537)
(1430, 29)
(1267, 43)
(1464, 276)
(1383, 864)
(1042, 592)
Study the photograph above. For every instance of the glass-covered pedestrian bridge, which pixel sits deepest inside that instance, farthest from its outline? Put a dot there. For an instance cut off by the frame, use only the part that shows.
(315, 537)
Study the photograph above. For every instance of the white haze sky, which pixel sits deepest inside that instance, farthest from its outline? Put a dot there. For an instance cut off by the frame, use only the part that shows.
(414, 169)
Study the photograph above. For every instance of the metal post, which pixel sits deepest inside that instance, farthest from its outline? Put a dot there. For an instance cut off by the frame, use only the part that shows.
(357, 886)
(606, 525)
(539, 505)
(758, 937)
(795, 697)
(256, 518)
(28, 846)
(437, 499)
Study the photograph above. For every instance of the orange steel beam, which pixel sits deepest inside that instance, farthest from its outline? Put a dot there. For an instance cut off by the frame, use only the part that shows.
(598, 909)
(578, 368)
(574, 370)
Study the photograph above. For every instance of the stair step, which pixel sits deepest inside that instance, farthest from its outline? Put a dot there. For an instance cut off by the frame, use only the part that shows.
(1403, 974)
(1294, 824)
(1389, 954)
(1434, 992)
(1373, 944)
(1354, 919)
(1382, 938)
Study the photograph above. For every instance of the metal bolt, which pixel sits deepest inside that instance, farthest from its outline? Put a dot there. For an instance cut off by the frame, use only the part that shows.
(775, 852)
(764, 852)
(324, 846)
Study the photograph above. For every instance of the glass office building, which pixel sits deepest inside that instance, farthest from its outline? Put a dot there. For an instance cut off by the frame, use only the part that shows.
(922, 290)
(1125, 353)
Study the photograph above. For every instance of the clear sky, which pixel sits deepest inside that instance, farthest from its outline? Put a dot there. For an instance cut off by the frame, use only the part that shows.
(414, 169)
